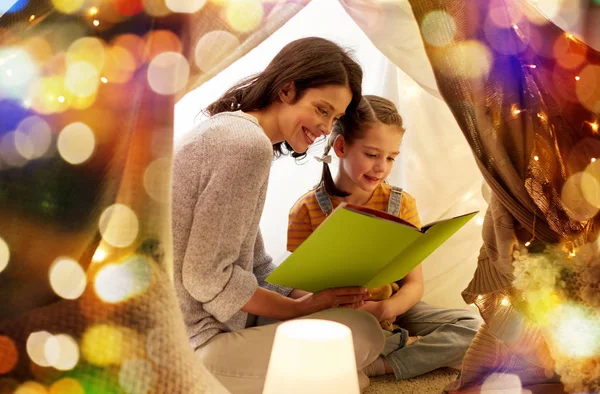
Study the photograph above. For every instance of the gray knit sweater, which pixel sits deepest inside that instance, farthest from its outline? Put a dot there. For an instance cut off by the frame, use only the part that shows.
(220, 177)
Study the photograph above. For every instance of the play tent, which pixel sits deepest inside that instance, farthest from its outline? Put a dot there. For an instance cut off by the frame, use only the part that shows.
(88, 106)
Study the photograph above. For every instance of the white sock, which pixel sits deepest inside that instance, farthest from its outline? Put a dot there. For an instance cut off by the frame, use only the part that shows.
(376, 368)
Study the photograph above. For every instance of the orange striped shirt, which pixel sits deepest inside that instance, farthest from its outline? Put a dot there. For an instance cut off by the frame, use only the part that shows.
(306, 215)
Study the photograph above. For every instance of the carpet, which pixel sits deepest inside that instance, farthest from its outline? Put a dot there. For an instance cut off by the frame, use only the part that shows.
(431, 383)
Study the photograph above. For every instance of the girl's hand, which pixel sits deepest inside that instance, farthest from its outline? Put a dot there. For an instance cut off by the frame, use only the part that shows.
(348, 297)
(377, 309)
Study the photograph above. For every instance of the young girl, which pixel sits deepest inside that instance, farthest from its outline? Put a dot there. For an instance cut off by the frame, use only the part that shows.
(367, 145)
(219, 185)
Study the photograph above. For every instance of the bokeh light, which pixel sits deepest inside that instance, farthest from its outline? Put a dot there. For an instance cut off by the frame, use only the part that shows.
(67, 278)
(134, 45)
(46, 99)
(10, 354)
(31, 387)
(469, 59)
(590, 188)
(244, 15)
(68, 6)
(82, 79)
(105, 345)
(68, 353)
(121, 281)
(66, 386)
(185, 6)
(51, 350)
(33, 137)
(213, 47)
(4, 254)
(119, 225)
(575, 331)
(137, 376)
(128, 7)
(87, 49)
(120, 65)
(438, 28)
(168, 73)
(505, 383)
(588, 90)
(161, 41)
(568, 53)
(76, 143)
(17, 72)
(157, 179)
(9, 152)
(39, 49)
(36, 344)
(156, 8)
(575, 203)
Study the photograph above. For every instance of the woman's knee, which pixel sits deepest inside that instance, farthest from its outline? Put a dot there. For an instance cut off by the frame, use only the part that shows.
(471, 319)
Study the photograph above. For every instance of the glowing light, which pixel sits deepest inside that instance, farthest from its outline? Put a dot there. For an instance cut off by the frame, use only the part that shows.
(593, 160)
(479, 297)
(119, 282)
(99, 255)
(45, 100)
(120, 65)
(31, 18)
(31, 387)
(577, 78)
(531, 66)
(104, 80)
(137, 376)
(505, 383)
(536, 158)
(431, 31)
(93, 11)
(575, 331)
(244, 15)
(516, 111)
(541, 116)
(68, 353)
(35, 345)
(82, 79)
(213, 47)
(76, 143)
(17, 72)
(66, 386)
(505, 301)
(572, 196)
(159, 42)
(68, 6)
(479, 221)
(4, 254)
(527, 244)
(51, 350)
(570, 36)
(96, 22)
(516, 27)
(10, 355)
(67, 278)
(185, 6)
(119, 225)
(594, 126)
(567, 54)
(156, 179)
(61, 99)
(168, 73)
(103, 344)
(87, 49)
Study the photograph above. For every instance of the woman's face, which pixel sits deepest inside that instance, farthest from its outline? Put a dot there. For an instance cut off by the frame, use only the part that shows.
(303, 121)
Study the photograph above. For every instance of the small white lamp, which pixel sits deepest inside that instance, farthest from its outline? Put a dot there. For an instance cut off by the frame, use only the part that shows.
(312, 356)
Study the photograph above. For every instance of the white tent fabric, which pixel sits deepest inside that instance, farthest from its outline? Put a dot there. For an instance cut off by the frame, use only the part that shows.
(436, 164)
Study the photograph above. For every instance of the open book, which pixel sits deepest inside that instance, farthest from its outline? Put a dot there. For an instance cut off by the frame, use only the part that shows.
(357, 246)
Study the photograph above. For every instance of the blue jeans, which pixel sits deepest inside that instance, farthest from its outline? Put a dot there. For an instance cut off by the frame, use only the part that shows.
(446, 336)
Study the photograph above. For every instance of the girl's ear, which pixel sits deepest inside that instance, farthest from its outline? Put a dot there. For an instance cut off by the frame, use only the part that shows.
(288, 93)
(339, 146)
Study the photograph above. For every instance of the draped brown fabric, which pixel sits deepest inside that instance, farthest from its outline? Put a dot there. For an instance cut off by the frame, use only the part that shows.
(525, 94)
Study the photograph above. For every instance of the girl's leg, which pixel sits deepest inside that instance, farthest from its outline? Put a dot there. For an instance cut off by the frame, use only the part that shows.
(446, 336)
(240, 359)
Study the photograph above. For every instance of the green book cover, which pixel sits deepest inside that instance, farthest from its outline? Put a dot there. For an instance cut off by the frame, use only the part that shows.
(357, 246)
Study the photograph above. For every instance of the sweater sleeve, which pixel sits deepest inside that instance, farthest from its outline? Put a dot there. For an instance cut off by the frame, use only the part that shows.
(263, 266)
(237, 171)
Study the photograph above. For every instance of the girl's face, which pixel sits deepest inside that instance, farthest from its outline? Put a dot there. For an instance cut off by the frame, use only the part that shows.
(302, 122)
(368, 161)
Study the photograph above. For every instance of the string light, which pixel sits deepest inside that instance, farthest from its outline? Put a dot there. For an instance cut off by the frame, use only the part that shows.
(593, 159)
(505, 301)
(570, 36)
(61, 99)
(594, 126)
(542, 116)
(516, 111)
(536, 158)
(527, 244)
(93, 11)
(104, 80)
(31, 18)
(577, 78)
(531, 66)
(515, 26)
(479, 297)
(96, 22)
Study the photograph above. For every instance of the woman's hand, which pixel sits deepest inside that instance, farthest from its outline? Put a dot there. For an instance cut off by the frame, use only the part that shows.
(347, 297)
(378, 309)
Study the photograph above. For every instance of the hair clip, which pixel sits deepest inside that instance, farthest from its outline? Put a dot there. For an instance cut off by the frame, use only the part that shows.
(324, 159)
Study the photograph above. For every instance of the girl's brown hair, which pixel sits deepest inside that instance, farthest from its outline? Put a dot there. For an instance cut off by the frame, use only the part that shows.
(370, 110)
(309, 63)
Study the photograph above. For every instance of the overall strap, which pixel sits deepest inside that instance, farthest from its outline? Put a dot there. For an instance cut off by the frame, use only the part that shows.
(324, 200)
(395, 201)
